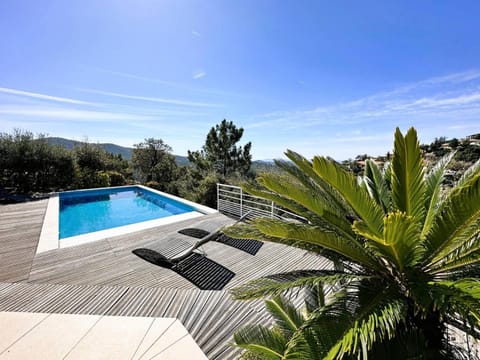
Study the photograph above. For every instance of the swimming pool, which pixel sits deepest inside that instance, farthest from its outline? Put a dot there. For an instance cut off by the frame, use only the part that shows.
(81, 216)
(83, 212)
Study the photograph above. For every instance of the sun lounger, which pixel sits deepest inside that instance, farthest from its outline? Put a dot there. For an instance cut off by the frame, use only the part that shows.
(201, 271)
(204, 273)
(249, 246)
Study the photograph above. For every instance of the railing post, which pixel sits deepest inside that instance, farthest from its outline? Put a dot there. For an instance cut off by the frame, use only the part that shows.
(241, 202)
(258, 205)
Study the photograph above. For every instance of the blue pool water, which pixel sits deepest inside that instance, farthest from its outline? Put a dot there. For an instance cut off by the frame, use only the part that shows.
(83, 212)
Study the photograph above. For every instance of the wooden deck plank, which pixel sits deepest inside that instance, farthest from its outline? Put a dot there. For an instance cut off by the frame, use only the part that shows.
(105, 278)
(134, 301)
(211, 327)
(20, 227)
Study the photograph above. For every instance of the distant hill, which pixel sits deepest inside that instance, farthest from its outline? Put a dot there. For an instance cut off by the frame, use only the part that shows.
(264, 166)
(126, 152)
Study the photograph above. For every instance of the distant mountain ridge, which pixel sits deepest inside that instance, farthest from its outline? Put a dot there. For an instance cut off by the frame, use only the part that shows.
(126, 152)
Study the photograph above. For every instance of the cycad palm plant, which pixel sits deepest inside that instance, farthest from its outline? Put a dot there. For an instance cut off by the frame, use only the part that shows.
(289, 323)
(410, 255)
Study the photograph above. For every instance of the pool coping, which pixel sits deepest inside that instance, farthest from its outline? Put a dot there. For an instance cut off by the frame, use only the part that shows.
(49, 236)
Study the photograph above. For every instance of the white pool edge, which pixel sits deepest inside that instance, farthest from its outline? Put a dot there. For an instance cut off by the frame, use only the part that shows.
(49, 236)
(200, 208)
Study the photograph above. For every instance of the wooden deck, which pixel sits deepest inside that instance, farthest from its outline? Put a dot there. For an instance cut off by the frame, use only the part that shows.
(104, 277)
(20, 227)
(209, 316)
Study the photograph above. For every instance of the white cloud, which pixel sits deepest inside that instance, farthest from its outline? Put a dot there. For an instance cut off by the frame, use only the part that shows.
(138, 77)
(449, 101)
(441, 106)
(455, 97)
(199, 74)
(151, 99)
(160, 111)
(455, 77)
(466, 126)
(177, 85)
(196, 33)
(71, 114)
(22, 93)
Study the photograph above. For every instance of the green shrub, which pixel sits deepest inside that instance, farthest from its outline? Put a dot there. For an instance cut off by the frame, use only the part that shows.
(102, 179)
(115, 178)
(92, 179)
(153, 184)
(207, 191)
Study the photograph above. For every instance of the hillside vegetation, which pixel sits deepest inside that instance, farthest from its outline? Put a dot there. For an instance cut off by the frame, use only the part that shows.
(125, 152)
(467, 152)
(33, 165)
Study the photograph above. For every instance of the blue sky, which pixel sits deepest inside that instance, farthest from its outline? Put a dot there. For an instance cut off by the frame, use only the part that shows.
(318, 77)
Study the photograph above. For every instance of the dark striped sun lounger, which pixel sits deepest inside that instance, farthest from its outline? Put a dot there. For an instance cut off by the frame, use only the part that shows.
(204, 273)
(249, 246)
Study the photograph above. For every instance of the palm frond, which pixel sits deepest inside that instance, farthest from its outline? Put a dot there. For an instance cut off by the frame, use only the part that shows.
(457, 265)
(399, 241)
(314, 296)
(350, 248)
(376, 327)
(307, 199)
(465, 255)
(433, 182)
(286, 338)
(356, 196)
(376, 185)
(287, 318)
(260, 340)
(472, 172)
(408, 188)
(274, 285)
(467, 271)
(455, 223)
(250, 232)
(304, 172)
(280, 200)
(461, 296)
(407, 250)
(374, 319)
(314, 341)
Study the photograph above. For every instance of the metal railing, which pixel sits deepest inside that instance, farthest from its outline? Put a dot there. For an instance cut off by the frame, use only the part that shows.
(232, 200)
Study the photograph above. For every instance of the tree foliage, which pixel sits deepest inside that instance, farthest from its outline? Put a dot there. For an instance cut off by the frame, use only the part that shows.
(468, 152)
(152, 161)
(410, 256)
(28, 163)
(97, 168)
(221, 153)
(219, 160)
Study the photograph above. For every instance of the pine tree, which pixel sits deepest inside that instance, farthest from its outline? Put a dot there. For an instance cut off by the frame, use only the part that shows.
(220, 152)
